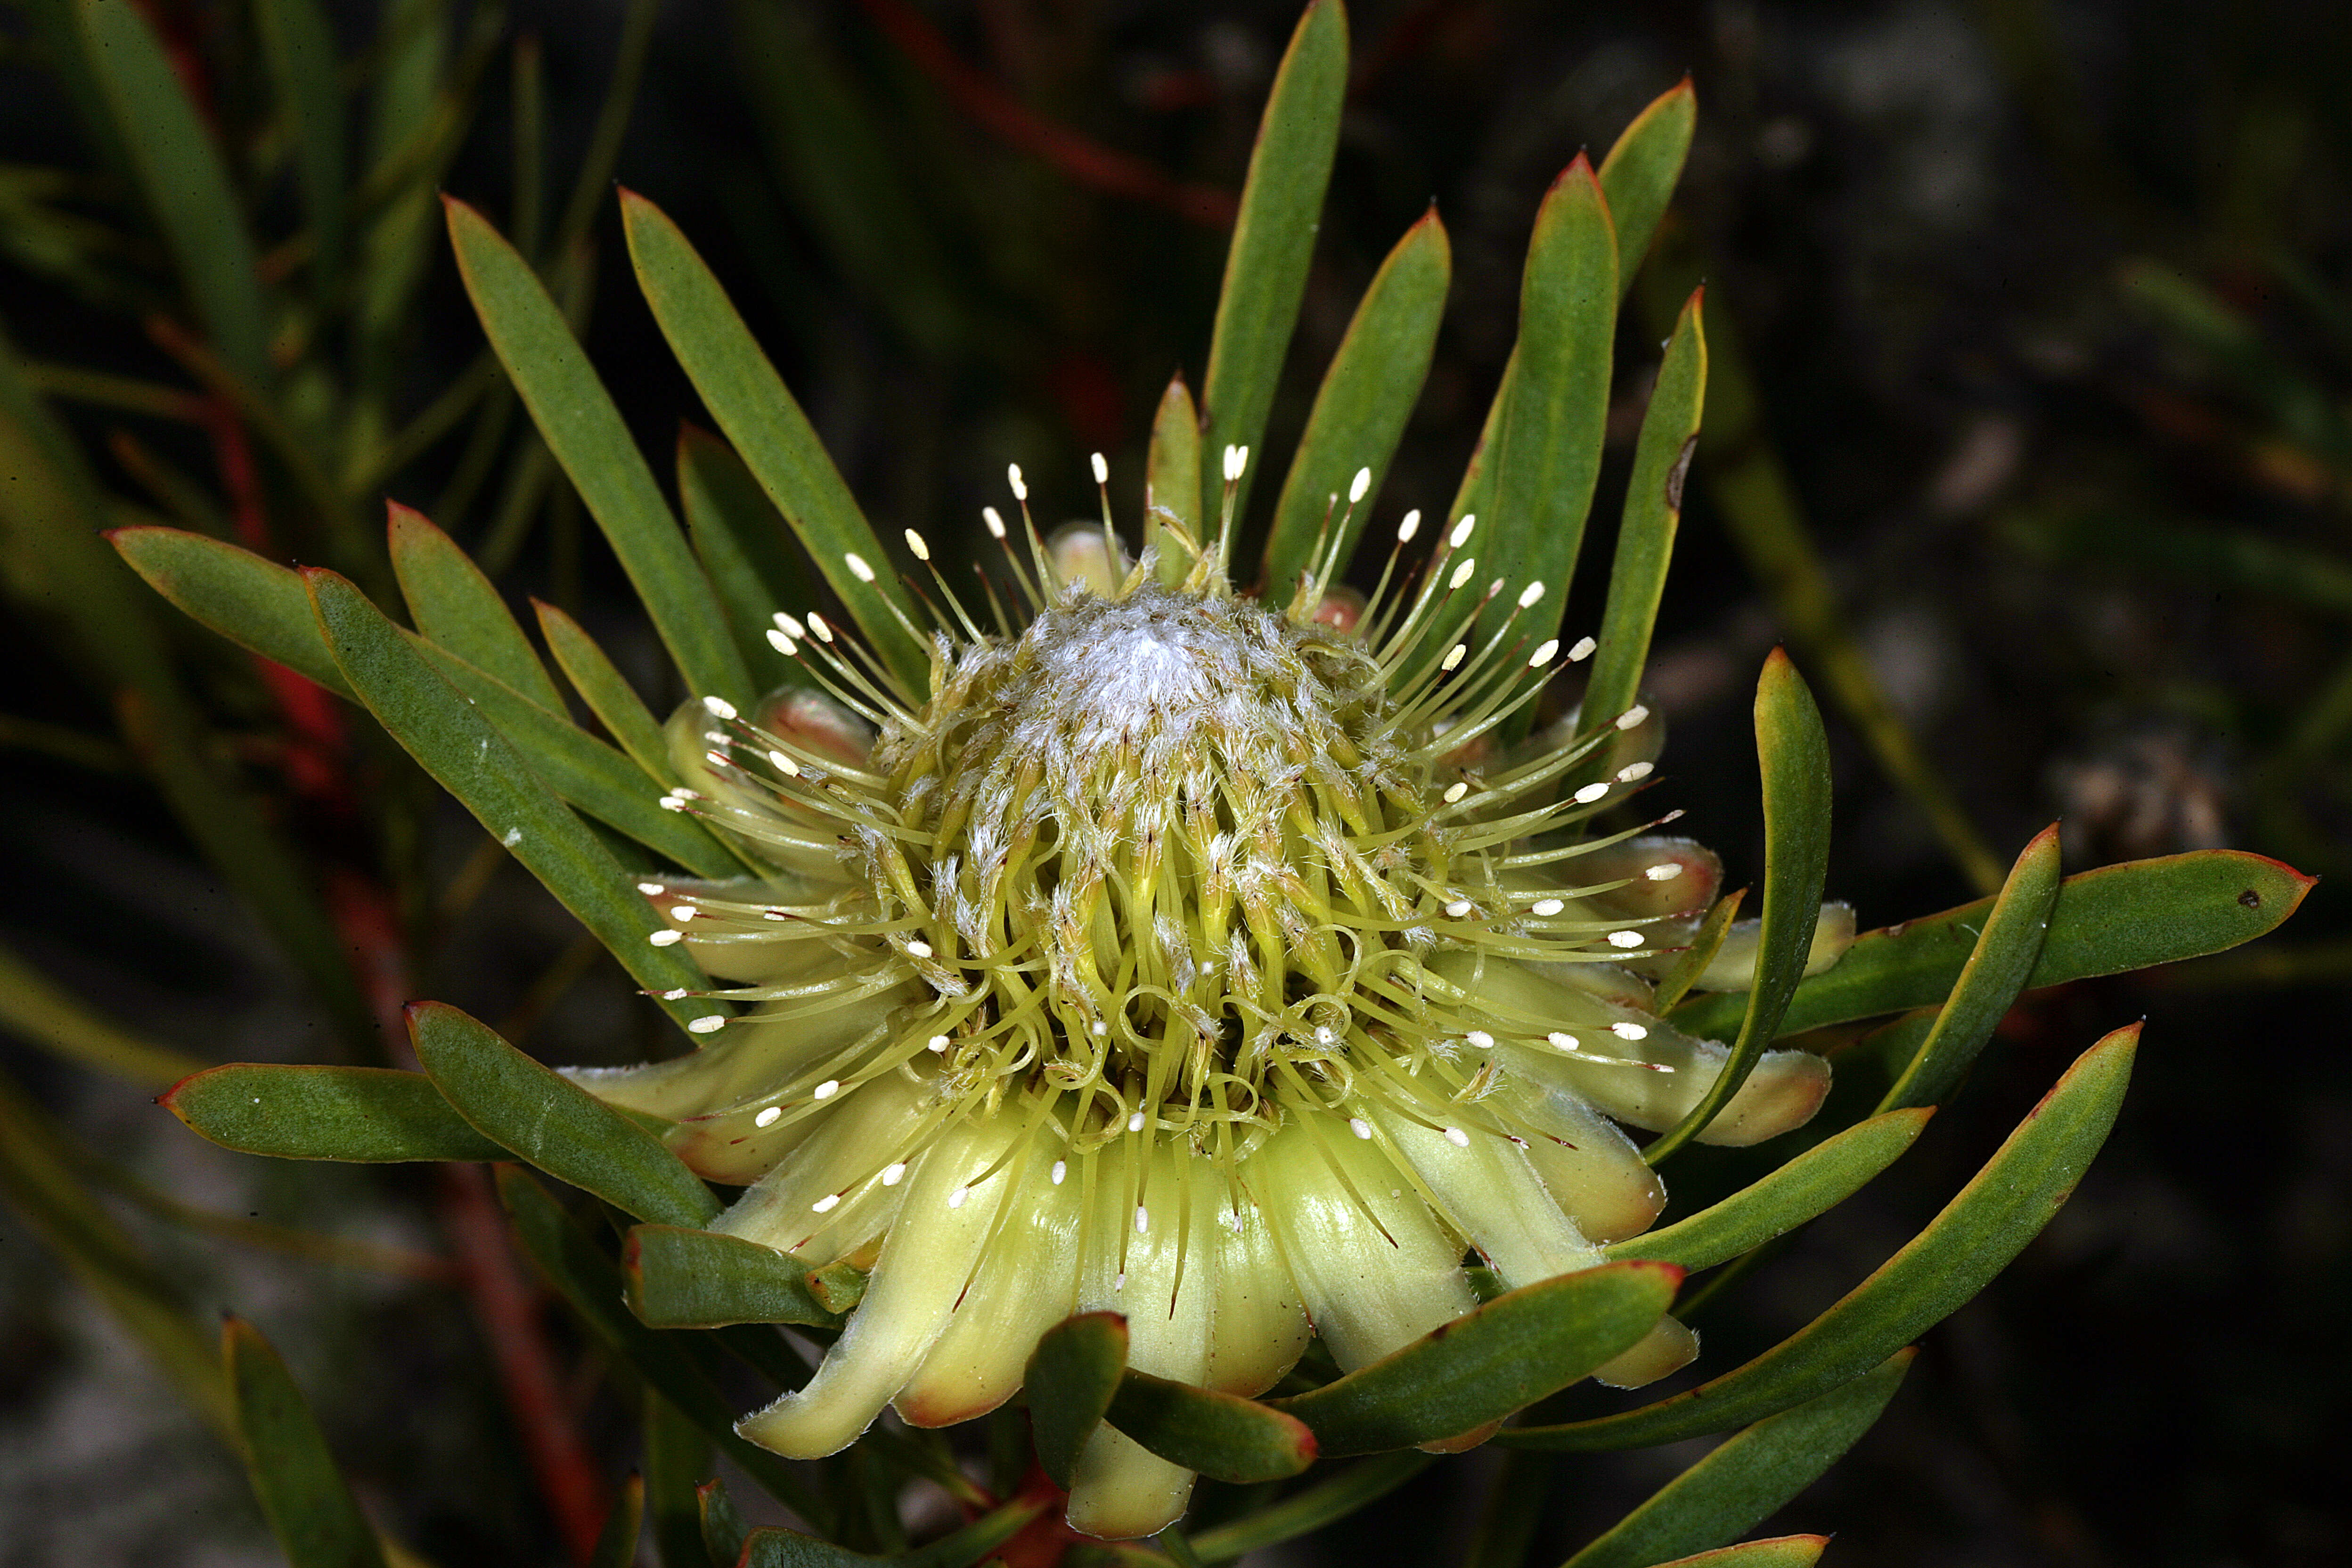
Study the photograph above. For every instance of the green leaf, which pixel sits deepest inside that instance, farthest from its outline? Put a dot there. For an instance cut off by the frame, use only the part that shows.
(457, 608)
(772, 1547)
(299, 48)
(1274, 241)
(301, 1491)
(617, 1543)
(1499, 1358)
(36, 1009)
(1306, 1511)
(1172, 477)
(183, 178)
(676, 1457)
(1807, 1186)
(1360, 409)
(1777, 1552)
(590, 1284)
(1653, 511)
(1934, 1274)
(1990, 982)
(1639, 175)
(1748, 1475)
(373, 1115)
(1554, 402)
(1705, 943)
(2106, 921)
(259, 604)
(576, 416)
(686, 1278)
(1073, 1375)
(744, 546)
(607, 693)
(723, 1530)
(757, 413)
(553, 1122)
(458, 747)
(1222, 1436)
(1794, 754)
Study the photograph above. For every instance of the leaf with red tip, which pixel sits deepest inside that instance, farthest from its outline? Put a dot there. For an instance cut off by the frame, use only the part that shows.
(373, 1114)
(1222, 1435)
(1640, 172)
(457, 608)
(1774, 1552)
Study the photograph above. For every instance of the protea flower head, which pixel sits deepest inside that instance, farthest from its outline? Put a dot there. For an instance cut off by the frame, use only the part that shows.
(1177, 952)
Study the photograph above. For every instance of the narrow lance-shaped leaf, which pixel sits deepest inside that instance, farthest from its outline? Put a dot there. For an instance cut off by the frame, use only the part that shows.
(677, 1460)
(473, 761)
(2107, 921)
(1776, 1552)
(553, 1122)
(34, 1009)
(1990, 982)
(183, 178)
(301, 1491)
(682, 1277)
(1222, 1435)
(1072, 1377)
(1748, 1475)
(607, 693)
(1639, 175)
(582, 427)
(1807, 1186)
(259, 604)
(1360, 409)
(456, 608)
(1514, 1350)
(1171, 477)
(1794, 754)
(1933, 1274)
(744, 546)
(1273, 240)
(1653, 511)
(293, 1113)
(757, 413)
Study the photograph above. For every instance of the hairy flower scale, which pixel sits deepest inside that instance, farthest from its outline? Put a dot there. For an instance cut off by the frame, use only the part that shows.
(1184, 955)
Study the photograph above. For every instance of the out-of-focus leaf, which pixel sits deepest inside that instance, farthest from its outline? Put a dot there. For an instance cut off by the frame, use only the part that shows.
(36, 1177)
(301, 1491)
(676, 1458)
(1795, 757)
(300, 50)
(373, 1115)
(596, 173)
(1653, 511)
(47, 1014)
(553, 1122)
(607, 693)
(576, 416)
(588, 1281)
(756, 410)
(1310, 1509)
(405, 110)
(686, 1278)
(1554, 403)
(1506, 1354)
(723, 1530)
(1748, 1475)
(183, 177)
(1990, 982)
(1360, 409)
(617, 1543)
(1989, 1222)
(2208, 557)
(777, 1548)
(1172, 476)
(1809, 1185)
(744, 546)
(1639, 175)
(1777, 1552)
(2105, 921)
(457, 608)
(1273, 240)
(1222, 1436)
(256, 604)
(472, 760)
(1073, 1375)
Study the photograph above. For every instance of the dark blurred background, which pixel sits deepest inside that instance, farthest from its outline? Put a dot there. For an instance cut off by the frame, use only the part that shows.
(2030, 432)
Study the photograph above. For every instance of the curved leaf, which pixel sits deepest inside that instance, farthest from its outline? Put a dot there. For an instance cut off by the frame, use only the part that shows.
(553, 1122)
(374, 1114)
(1809, 1185)
(1748, 1475)
(582, 427)
(1501, 1357)
(1222, 1435)
(1795, 758)
(301, 1491)
(1360, 409)
(681, 1277)
(1273, 240)
(1073, 1375)
(1933, 1275)
(2117, 917)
